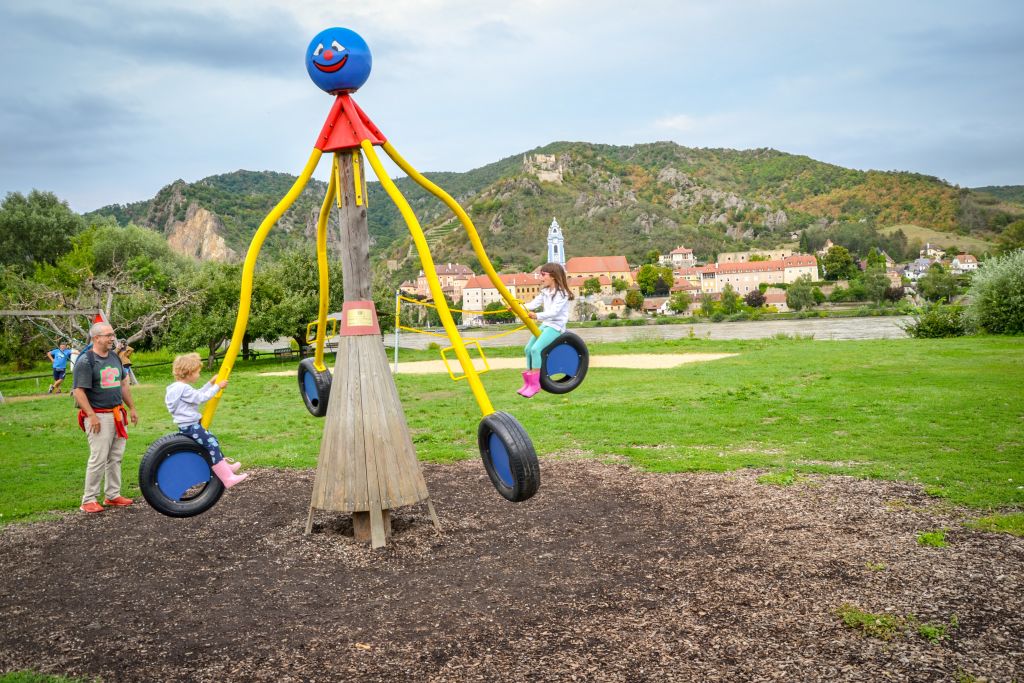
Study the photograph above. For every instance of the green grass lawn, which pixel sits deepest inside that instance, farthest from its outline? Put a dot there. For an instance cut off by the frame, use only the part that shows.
(943, 240)
(947, 414)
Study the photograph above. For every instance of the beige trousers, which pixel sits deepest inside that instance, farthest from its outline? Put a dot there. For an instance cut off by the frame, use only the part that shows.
(106, 450)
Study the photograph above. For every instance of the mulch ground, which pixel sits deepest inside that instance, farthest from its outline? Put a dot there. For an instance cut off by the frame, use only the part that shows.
(607, 574)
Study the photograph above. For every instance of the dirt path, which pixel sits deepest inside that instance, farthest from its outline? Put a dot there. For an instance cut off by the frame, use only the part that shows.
(636, 361)
(607, 574)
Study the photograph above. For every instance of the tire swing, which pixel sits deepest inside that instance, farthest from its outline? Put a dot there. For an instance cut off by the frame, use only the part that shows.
(508, 457)
(315, 387)
(176, 479)
(564, 364)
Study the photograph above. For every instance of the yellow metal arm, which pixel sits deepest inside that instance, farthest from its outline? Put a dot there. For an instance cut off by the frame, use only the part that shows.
(474, 238)
(430, 271)
(248, 269)
(321, 263)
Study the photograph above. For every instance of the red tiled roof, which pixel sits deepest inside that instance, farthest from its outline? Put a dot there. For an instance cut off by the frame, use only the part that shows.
(590, 264)
(453, 269)
(682, 250)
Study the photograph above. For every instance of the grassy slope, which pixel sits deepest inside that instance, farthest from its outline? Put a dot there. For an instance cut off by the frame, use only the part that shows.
(973, 245)
(944, 413)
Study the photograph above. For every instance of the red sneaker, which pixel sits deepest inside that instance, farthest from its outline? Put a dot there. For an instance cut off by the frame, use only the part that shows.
(118, 502)
(91, 507)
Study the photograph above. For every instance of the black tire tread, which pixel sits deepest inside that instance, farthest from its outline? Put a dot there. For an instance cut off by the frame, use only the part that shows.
(149, 465)
(323, 387)
(549, 385)
(523, 461)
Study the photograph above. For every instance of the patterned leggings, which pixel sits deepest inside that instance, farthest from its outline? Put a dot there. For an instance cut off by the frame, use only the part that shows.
(208, 441)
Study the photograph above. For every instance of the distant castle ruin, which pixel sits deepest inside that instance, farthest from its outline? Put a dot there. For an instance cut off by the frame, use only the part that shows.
(546, 167)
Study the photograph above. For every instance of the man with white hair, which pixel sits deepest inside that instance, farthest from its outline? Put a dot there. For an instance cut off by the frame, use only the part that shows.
(101, 390)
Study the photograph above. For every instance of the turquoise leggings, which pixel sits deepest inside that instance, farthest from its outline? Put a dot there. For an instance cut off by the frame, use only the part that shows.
(538, 344)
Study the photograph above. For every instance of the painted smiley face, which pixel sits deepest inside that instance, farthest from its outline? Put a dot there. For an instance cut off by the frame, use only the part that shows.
(338, 60)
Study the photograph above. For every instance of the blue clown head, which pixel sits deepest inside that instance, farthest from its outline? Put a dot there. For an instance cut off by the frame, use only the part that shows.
(338, 60)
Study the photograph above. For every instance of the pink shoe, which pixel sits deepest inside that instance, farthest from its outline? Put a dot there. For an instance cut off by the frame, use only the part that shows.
(235, 465)
(526, 383)
(223, 471)
(533, 379)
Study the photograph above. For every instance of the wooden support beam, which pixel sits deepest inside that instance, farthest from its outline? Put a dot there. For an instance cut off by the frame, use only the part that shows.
(367, 463)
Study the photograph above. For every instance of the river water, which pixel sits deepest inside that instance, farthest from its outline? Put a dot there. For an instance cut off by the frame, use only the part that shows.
(876, 327)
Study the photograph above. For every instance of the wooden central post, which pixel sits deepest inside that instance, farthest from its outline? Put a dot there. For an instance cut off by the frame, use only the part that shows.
(367, 463)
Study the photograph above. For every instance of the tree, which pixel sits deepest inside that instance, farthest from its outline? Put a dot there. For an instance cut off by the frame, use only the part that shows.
(838, 264)
(875, 259)
(35, 229)
(937, 284)
(730, 300)
(754, 299)
(799, 295)
(707, 305)
(591, 286)
(661, 288)
(634, 299)
(210, 321)
(501, 317)
(652, 256)
(1012, 237)
(819, 296)
(619, 285)
(286, 295)
(997, 295)
(680, 302)
(876, 282)
(648, 275)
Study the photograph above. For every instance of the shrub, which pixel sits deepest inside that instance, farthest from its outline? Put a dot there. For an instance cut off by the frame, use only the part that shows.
(937, 321)
(838, 295)
(997, 295)
(613, 316)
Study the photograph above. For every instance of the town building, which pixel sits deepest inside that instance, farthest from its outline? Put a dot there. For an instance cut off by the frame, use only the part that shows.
(479, 291)
(748, 276)
(611, 267)
(453, 278)
(745, 256)
(680, 257)
(964, 263)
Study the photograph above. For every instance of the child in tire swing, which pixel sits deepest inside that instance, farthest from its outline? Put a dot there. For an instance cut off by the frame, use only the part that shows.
(183, 402)
(554, 298)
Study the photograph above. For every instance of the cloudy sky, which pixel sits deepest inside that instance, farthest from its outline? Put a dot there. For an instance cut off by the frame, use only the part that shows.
(109, 100)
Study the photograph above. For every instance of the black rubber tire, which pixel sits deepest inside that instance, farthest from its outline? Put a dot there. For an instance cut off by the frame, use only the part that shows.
(319, 382)
(518, 478)
(571, 343)
(195, 504)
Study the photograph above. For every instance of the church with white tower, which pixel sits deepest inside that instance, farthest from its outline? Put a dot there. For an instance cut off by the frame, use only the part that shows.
(556, 244)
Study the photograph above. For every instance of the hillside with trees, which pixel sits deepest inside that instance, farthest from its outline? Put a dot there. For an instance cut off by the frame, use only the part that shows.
(609, 199)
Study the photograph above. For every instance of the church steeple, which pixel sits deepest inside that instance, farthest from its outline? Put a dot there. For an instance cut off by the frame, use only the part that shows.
(556, 244)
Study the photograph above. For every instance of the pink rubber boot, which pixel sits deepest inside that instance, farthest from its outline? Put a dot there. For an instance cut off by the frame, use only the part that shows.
(223, 471)
(235, 465)
(526, 383)
(533, 379)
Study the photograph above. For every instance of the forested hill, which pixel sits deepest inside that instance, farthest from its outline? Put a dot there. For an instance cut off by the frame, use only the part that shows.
(1007, 193)
(608, 199)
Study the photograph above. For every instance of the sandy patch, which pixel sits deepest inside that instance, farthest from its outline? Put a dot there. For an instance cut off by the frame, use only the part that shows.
(636, 361)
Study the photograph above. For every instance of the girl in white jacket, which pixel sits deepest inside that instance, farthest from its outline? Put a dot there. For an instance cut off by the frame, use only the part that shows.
(183, 401)
(554, 300)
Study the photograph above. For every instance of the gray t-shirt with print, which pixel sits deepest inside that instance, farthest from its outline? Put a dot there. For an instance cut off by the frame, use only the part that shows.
(100, 378)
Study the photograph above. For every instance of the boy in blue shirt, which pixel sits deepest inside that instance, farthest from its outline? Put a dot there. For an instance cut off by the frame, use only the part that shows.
(59, 358)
